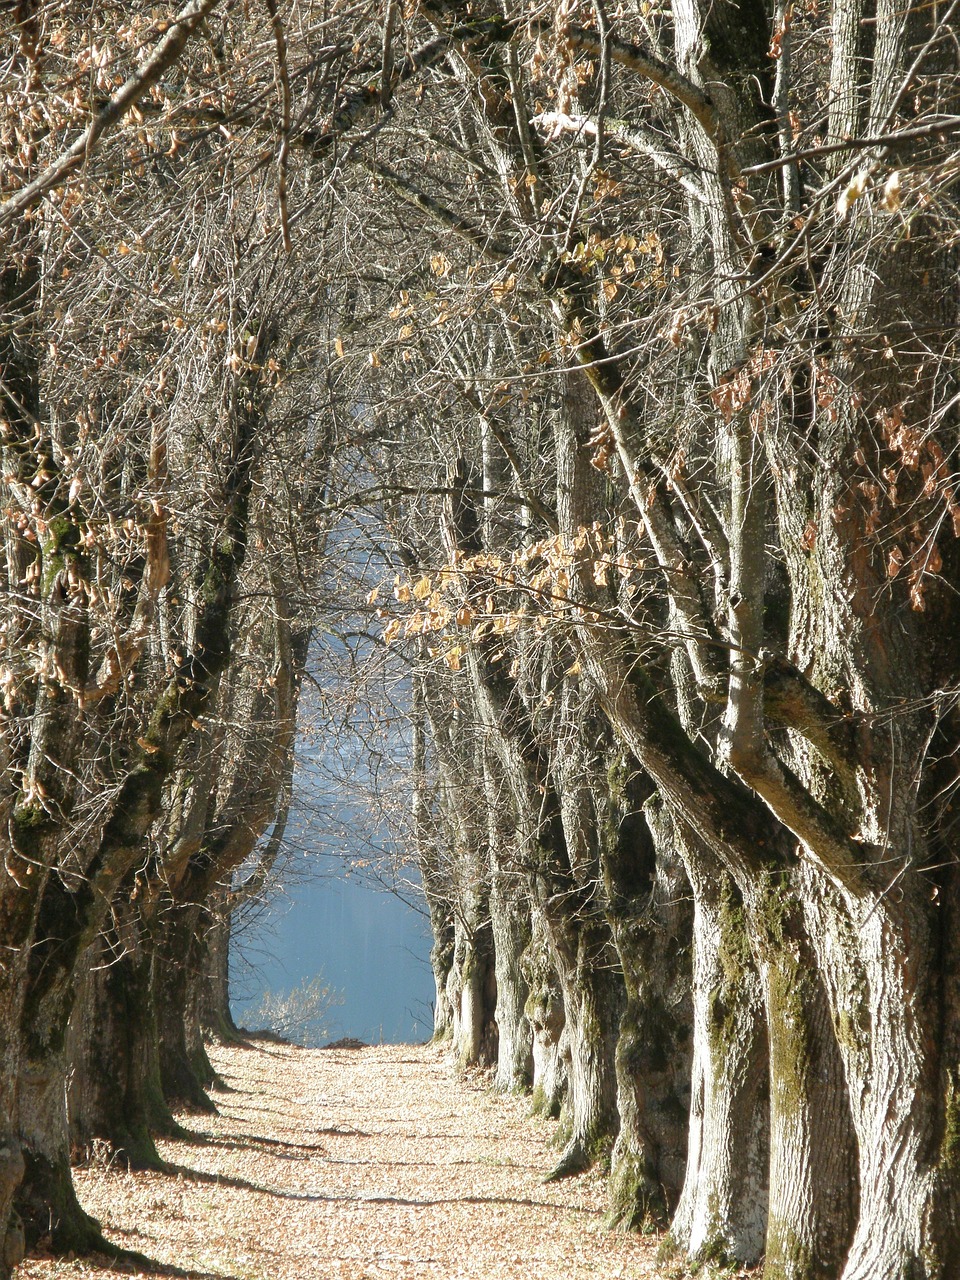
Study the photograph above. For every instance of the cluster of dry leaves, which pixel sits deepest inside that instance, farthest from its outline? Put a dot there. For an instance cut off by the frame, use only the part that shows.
(357, 1165)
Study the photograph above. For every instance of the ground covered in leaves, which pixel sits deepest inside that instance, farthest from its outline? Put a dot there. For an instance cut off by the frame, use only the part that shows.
(357, 1164)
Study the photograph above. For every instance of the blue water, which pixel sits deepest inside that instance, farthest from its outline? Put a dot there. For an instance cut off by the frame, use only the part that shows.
(371, 947)
(330, 916)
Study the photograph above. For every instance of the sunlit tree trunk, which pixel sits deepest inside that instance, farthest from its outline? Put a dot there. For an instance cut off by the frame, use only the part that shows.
(510, 926)
(545, 1014)
(648, 906)
(722, 1210)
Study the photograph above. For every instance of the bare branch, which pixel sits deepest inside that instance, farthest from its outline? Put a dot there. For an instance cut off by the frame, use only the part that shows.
(146, 75)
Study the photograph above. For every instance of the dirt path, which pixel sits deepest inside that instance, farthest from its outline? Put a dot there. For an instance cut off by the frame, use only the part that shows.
(358, 1165)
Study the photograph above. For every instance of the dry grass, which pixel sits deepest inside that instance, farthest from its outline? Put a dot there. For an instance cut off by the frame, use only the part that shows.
(357, 1164)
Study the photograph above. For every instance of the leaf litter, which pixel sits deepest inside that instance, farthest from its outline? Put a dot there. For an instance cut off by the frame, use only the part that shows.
(356, 1165)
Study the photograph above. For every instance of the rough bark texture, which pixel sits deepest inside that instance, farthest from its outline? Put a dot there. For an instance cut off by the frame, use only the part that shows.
(510, 928)
(114, 1096)
(184, 1067)
(544, 1012)
(651, 919)
(722, 1212)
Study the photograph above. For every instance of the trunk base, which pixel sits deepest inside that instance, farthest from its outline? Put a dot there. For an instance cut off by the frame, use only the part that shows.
(48, 1206)
(577, 1157)
(637, 1200)
(182, 1086)
(137, 1152)
(14, 1246)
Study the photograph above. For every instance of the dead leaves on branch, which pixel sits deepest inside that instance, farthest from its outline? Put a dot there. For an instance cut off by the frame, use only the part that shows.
(491, 595)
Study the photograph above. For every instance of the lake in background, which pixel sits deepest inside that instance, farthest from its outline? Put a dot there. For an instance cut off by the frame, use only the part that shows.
(370, 946)
(344, 840)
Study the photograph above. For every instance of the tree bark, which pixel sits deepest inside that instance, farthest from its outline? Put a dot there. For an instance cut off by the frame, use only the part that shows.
(722, 1212)
(185, 1071)
(510, 926)
(115, 1101)
(545, 1013)
(649, 909)
(216, 1016)
(893, 988)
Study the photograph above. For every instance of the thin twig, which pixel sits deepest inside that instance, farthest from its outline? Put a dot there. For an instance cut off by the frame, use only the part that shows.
(285, 110)
(146, 75)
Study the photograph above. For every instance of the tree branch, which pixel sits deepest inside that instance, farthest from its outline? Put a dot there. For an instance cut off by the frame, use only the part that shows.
(146, 75)
(439, 213)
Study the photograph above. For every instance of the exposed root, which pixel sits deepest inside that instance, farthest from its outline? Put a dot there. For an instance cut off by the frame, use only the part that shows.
(575, 1159)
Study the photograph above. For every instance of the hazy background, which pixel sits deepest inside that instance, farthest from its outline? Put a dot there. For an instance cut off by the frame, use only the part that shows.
(328, 912)
(368, 945)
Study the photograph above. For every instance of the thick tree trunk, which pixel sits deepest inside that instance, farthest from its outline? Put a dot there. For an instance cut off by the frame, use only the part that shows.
(593, 1001)
(46, 1200)
(197, 979)
(510, 923)
(545, 1014)
(722, 1211)
(11, 1157)
(812, 1181)
(472, 994)
(893, 969)
(566, 878)
(510, 927)
(114, 1097)
(441, 961)
(216, 1016)
(184, 1072)
(651, 918)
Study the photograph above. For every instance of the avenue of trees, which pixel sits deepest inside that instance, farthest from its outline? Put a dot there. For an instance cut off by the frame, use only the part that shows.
(576, 387)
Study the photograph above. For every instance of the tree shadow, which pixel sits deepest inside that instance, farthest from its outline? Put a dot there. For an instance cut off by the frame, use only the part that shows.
(129, 1260)
(219, 1180)
(252, 1142)
(316, 1197)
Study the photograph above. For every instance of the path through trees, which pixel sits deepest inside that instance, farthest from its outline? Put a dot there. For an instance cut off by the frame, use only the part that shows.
(347, 1164)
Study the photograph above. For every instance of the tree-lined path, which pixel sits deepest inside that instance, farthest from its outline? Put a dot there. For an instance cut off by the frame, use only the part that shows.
(358, 1165)
(539, 425)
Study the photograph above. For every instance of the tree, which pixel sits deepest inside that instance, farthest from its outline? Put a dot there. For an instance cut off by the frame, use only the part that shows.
(132, 441)
(774, 393)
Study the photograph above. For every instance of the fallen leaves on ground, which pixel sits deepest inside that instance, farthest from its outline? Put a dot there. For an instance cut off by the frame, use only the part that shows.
(357, 1165)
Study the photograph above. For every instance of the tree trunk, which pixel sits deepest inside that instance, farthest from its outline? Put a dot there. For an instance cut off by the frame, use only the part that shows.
(46, 1200)
(571, 893)
(114, 1096)
(471, 991)
(11, 1157)
(194, 1035)
(510, 926)
(593, 1001)
(894, 988)
(441, 962)
(812, 1182)
(427, 837)
(510, 923)
(545, 1013)
(216, 1016)
(184, 1076)
(722, 1212)
(651, 918)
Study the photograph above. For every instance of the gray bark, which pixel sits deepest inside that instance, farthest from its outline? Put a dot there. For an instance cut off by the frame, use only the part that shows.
(545, 1013)
(510, 926)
